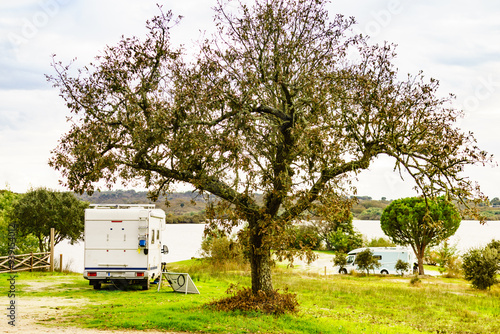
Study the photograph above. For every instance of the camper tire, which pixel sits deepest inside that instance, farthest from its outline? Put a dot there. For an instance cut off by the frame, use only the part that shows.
(384, 272)
(145, 285)
(343, 271)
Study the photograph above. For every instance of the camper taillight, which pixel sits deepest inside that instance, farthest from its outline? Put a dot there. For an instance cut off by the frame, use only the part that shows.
(92, 274)
(139, 274)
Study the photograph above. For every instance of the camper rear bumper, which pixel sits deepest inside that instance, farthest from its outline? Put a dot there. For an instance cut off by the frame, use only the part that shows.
(107, 274)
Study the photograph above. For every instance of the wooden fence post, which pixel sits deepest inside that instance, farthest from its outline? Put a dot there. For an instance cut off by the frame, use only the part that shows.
(52, 249)
(60, 263)
(31, 262)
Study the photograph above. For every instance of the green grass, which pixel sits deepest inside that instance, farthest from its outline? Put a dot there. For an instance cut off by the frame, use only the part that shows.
(338, 304)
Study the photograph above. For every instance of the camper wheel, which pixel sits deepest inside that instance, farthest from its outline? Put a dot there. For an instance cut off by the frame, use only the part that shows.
(145, 285)
(343, 271)
(384, 272)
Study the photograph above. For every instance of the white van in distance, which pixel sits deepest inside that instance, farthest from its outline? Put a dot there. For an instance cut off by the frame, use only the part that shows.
(387, 257)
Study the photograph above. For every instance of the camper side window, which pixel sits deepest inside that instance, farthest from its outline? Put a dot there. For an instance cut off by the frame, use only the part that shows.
(350, 259)
(152, 237)
(377, 257)
(157, 234)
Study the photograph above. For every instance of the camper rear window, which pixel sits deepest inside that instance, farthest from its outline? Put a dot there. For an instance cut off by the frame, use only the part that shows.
(378, 257)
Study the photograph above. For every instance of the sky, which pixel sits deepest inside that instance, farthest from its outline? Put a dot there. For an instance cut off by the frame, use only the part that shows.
(454, 41)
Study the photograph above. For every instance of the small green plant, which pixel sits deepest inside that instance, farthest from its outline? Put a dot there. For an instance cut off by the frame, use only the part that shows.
(481, 266)
(340, 260)
(402, 266)
(415, 281)
(366, 261)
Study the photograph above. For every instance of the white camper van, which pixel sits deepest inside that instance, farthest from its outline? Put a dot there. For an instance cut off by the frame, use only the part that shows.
(123, 244)
(387, 257)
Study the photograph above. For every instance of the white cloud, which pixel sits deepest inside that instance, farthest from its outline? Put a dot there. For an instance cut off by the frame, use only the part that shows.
(31, 123)
(453, 41)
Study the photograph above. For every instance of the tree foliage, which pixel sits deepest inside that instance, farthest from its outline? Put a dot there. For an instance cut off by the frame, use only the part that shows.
(335, 226)
(39, 210)
(419, 222)
(448, 259)
(366, 261)
(283, 100)
(495, 244)
(481, 267)
(344, 241)
(8, 231)
(220, 249)
(371, 214)
(402, 266)
(340, 260)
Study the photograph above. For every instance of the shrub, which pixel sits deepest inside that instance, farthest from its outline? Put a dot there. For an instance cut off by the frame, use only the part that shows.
(343, 242)
(480, 266)
(337, 232)
(371, 214)
(430, 256)
(305, 236)
(446, 256)
(365, 261)
(242, 299)
(219, 248)
(496, 245)
(402, 266)
(340, 260)
(415, 281)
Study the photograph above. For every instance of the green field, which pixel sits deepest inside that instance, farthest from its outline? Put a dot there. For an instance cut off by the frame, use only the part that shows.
(334, 304)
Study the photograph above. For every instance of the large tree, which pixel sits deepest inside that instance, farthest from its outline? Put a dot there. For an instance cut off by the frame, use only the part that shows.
(39, 210)
(420, 222)
(8, 231)
(282, 101)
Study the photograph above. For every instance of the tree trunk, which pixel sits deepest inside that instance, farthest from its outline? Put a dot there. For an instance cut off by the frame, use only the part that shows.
(41, 244)
(420, 257)
(260, 261)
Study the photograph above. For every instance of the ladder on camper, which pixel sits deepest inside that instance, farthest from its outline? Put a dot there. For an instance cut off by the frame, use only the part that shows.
(179, 282)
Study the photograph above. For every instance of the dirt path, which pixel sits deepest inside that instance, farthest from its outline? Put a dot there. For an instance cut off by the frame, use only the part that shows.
(32, 312)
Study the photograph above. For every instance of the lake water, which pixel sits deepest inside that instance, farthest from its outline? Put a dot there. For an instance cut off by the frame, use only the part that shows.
(470, 234)
(184, 240)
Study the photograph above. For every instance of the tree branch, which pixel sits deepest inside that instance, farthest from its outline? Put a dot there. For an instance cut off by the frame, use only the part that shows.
(327, 175)
(202, 182)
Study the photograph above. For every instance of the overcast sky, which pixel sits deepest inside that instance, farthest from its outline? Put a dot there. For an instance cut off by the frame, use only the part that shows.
(454, 41)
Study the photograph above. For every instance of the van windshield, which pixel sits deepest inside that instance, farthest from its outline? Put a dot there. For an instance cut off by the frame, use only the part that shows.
(350, 259)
